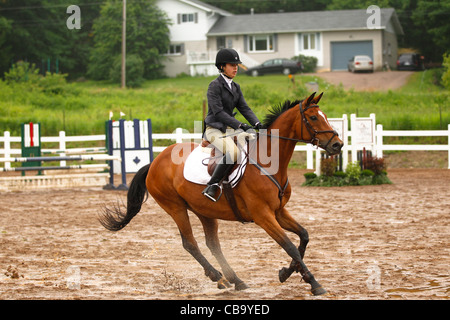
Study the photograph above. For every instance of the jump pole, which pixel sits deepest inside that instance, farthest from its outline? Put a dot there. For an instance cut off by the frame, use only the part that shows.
(98, 157)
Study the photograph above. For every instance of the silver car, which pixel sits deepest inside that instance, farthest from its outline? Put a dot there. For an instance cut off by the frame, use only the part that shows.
(360, 63)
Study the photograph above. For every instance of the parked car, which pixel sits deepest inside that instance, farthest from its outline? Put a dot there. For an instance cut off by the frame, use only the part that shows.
(360, 63)
(284, 66)
(410, 61)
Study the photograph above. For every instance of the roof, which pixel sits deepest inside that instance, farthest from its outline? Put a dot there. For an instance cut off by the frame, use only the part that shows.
(307, 21)
(207, 7)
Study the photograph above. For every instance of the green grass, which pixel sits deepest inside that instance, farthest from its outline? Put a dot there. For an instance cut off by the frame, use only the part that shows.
(82, 108)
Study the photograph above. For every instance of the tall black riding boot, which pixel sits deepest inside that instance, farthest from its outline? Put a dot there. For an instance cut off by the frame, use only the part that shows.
(222, 169)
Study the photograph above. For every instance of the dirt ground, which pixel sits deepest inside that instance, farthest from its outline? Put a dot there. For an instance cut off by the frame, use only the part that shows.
(373, 242)
(377, 81)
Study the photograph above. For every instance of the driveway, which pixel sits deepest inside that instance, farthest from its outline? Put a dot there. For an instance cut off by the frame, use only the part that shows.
(377, 81)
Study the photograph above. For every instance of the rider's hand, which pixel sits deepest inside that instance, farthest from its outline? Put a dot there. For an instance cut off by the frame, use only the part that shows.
(258, 126)
(245, 126)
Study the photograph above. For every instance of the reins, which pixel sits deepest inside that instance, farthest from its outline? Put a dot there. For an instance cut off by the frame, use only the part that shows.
(313, 133)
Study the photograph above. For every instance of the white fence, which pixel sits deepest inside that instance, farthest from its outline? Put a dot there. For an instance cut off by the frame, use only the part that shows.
(180, 135)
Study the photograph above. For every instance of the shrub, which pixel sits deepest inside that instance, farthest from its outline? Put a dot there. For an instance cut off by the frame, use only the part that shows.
(22, 72)
(367, 173)
(53, 83)
(340, 174)
(310, 175)
(353, 172)
(309, 63)
(376, 165)
(328, 167)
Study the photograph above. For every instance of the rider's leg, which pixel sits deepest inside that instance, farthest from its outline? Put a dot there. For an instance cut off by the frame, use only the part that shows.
(226, 145)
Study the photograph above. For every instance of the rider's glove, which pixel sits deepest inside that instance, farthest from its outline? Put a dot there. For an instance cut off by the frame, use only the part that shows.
(245, 126)
(258, 126)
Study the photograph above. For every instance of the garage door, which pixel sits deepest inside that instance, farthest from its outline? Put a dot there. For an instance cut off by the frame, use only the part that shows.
(341, 52)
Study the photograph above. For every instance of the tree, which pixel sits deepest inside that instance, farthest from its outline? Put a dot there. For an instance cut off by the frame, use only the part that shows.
(36, 31)
(147, 38)
(432, 17)
(5, 47)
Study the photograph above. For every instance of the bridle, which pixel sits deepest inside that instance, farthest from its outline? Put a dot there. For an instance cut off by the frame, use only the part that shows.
(312, 132)
(314, 141)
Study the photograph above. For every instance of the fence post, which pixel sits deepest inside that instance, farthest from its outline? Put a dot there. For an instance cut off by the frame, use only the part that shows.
(345, 141)
(309, 156)
(354, 149)
(179, 135)
(62, 146)
(318, 160)
(379, 141)
(448, 145)
(7, 147)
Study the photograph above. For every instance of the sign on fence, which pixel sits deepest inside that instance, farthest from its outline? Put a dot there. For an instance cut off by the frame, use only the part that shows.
(136, 137)
(363, 130)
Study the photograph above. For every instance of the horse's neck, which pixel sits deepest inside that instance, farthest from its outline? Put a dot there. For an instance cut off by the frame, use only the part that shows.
(283, 149)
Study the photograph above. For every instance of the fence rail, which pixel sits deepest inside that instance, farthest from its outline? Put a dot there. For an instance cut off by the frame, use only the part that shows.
(180, 135)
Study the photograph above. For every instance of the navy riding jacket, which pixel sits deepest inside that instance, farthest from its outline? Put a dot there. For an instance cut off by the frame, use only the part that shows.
(221, 103)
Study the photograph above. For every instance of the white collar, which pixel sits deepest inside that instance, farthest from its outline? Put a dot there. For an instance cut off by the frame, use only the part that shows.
(228, 80)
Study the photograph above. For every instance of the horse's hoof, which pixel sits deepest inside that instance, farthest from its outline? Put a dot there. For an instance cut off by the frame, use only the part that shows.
(318, 291)
(223, 283)
(240, 286)
(284, 274)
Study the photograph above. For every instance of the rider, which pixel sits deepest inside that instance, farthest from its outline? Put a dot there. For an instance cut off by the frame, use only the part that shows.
(224, 96)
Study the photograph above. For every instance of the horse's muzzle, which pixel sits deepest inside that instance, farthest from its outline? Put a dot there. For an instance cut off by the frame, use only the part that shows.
(334, 148)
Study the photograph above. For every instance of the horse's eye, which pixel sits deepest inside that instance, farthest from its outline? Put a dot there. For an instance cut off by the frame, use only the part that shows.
(313, 118)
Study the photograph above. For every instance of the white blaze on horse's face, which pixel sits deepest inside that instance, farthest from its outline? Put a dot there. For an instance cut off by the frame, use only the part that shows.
(324, 117)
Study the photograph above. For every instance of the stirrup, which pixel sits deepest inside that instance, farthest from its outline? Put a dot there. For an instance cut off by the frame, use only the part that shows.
(205, 192)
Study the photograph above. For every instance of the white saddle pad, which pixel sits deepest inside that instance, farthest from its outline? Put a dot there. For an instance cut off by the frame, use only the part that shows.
(195, 171)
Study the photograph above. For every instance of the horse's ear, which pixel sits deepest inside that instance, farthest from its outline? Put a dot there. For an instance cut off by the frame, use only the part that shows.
(317, 99)
(307, 102)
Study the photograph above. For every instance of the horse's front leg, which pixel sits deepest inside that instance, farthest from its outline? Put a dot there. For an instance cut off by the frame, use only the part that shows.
(268, 222)
(287, 222)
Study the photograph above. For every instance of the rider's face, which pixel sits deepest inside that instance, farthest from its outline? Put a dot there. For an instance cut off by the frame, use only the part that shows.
(230, 69)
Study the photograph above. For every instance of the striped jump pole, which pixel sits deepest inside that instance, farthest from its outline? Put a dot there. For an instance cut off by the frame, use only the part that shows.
(94, 157)
(79, 166)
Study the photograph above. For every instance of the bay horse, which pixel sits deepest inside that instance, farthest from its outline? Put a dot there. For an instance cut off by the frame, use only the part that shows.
(163, 179)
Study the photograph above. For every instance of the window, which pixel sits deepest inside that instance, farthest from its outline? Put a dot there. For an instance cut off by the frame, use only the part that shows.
(261, 43)
(187, 18)
(175, 50)
(309, 41)
(221, 42)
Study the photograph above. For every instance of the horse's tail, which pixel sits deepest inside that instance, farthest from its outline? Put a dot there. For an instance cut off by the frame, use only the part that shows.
(115, 219)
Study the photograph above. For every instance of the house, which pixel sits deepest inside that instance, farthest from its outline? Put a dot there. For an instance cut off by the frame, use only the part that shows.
(333, 37)
(188, 52)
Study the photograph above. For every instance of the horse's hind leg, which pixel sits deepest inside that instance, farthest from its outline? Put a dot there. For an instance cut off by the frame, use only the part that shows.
(210, 226)
(180, 216)
(287, 222)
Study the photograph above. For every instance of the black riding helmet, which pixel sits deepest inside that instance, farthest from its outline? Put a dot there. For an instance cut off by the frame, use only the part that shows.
(225, 56)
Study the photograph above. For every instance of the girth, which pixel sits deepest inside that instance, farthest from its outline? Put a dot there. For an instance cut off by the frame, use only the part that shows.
(281, 190)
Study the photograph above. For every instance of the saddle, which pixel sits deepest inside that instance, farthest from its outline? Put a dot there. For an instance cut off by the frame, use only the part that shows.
(213, 160)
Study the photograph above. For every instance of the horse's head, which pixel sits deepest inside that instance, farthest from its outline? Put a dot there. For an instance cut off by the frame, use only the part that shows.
(316, 128)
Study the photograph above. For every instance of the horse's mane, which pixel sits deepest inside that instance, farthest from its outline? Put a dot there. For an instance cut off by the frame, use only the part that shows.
(277, 111)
